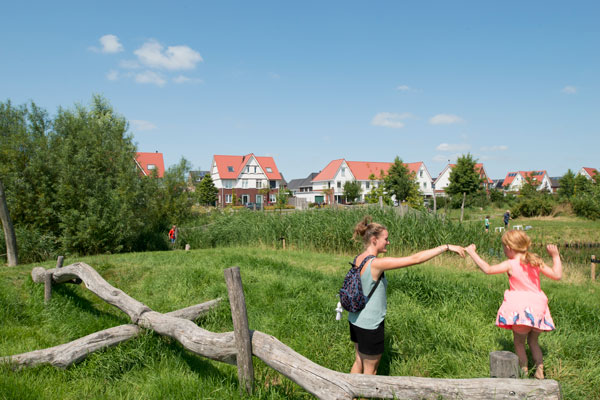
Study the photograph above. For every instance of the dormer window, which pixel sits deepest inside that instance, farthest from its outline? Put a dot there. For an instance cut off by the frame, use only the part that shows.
(230, 168)
(269, 169)
(151, 166)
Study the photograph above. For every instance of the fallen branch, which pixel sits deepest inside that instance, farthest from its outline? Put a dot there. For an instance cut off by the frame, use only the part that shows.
(64, 355)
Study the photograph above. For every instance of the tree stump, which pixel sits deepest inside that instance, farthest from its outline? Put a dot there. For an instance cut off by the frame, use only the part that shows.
(504, 364)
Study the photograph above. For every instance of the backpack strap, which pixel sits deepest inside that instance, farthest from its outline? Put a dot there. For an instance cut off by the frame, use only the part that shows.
(360, 267)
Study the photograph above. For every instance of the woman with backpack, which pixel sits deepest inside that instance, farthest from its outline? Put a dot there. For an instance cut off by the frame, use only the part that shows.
(367, 325)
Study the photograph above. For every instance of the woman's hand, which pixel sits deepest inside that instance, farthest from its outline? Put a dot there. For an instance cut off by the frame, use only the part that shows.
(552, 250)
(457, 249)
(471, 249)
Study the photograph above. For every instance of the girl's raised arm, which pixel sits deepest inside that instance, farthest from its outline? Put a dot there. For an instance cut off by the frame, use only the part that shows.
(556, 271)
(504, 266)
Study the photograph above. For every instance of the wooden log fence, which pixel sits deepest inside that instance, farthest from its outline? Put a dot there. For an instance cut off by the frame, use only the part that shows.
(317, 380)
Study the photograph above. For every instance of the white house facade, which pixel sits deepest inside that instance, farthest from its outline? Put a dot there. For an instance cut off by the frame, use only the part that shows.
(514, 181)
(249, 178)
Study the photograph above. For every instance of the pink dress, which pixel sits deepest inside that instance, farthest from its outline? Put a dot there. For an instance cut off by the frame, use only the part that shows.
(524, 303)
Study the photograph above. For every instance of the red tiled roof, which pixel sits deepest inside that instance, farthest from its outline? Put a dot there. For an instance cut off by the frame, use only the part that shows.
(230, 167)
(156, 159)
(525, 174)
(361, 170)
(478, 167)
(591, 171)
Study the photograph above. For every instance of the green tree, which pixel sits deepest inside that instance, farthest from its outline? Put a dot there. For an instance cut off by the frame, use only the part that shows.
(400, 183)
(377, 190)
(352, 191)
(566, 188)
(464, 178)
(282, 198)
(207, 191)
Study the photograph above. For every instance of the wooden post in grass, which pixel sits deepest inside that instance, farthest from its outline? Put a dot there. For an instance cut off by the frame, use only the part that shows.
(47, 287)
(504, 364)
(243, 341)
(593, 267)
(59, 261)
(462, 206)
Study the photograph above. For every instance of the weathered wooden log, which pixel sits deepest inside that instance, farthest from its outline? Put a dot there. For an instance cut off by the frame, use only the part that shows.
(47, 287)
(239, 316)
(327, 384)
(320, 381)
(64, 355)
(504, 364)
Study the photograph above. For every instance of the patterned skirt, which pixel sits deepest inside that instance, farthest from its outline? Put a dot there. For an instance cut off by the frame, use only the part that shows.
(525, 308)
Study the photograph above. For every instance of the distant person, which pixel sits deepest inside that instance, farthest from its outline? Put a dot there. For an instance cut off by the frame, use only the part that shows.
(487, 223)
(367, 325)
(525, 307)
(173, 234)
(506, 219)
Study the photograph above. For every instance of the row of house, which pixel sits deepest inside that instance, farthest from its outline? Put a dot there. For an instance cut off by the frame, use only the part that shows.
(257, 180)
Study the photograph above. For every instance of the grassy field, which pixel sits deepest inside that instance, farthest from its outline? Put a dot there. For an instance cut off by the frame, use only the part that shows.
(439, 324)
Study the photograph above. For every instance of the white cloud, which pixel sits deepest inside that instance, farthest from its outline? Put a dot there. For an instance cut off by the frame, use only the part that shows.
(152, 54)
(390, 120)
(403, 88)
(569, 89)
(185, 79)
(453, 147)
(141, 125)
(150, 77)
(110, 44)
(495, 148)
(445, 119)
(112, 75)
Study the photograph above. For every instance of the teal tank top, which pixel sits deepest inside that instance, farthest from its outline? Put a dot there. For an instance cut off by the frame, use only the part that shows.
(373, 314)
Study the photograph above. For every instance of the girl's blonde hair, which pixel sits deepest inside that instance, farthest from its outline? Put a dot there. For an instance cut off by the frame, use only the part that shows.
(519, 242)
(367, 230)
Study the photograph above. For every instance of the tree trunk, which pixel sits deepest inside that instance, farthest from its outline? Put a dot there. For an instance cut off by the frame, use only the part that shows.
(462, 207)
(9, 231)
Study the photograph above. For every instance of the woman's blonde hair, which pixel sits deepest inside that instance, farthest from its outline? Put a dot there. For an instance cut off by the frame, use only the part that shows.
(519, 242)
(367, 230)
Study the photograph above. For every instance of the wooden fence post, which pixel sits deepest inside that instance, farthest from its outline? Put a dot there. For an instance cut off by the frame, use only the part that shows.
(504, 364)
(59, 261)
(47, 287)
(593, 268)
(243, 341)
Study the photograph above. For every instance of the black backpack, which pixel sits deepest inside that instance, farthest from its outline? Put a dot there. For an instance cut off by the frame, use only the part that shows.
(352, 297)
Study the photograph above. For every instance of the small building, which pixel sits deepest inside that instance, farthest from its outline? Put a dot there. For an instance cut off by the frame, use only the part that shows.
(590, 173)
(151, 164)
(443, 179)
(515, 180)
(251, 179)
(303, 189)
(340, 171)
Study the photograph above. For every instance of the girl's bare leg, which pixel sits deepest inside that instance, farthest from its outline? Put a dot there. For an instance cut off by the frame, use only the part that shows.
(364, 363)
(536, 353)
(520, 337)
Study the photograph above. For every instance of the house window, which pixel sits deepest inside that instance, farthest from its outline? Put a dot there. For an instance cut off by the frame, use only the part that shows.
(269, 169)
(227, 183)
(424, 184)
(273, 184)
(245, 199)
(151, 166)
(343, 171)
(421, 173)
(272, 198)
(258, 184)
(254, 169)
(366, 185)
(339, 185)
(230, 168)
(245, 183)
(227, 198)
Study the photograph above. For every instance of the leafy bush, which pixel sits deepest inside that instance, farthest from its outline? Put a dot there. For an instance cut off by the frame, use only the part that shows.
(533, 206)
(587, 206)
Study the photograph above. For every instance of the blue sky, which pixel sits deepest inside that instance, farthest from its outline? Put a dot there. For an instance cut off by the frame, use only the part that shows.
(516, 84)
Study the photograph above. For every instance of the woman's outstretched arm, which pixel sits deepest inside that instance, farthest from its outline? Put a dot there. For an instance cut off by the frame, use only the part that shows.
(387, 263)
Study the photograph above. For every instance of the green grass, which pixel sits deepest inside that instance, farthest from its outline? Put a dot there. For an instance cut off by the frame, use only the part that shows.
(439, 324)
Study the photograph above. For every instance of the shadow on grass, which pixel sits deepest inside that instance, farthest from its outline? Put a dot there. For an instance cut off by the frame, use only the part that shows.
(68, 292)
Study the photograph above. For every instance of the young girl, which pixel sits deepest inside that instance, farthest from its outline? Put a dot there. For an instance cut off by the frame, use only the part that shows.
(367, 325)
(525, 307)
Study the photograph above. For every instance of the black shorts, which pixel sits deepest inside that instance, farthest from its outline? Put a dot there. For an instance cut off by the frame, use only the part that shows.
(370, 341)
